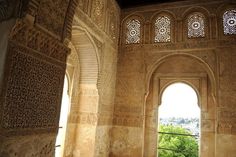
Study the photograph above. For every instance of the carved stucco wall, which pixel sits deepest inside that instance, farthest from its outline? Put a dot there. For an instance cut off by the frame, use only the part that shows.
(35, 48)
(134, 126)
(33, 74)
(94, 52)
(36, 52)
(192, 70)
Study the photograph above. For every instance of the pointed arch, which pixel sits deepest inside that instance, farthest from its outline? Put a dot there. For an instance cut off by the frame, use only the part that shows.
(199, 60)
(191, 70)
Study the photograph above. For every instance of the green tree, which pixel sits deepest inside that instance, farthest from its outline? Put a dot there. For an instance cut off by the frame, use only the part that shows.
(179, 146)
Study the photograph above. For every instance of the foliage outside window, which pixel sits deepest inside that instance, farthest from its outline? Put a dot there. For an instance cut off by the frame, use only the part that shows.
(172, 145)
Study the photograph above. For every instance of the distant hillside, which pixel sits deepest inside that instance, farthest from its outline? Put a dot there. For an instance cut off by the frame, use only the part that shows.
(191, 124)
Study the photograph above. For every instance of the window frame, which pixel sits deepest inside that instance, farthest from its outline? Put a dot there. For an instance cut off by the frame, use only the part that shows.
(204, 24)
(207, 21)
(127, 31)
(124, 29)
(223, 23)
(172, 18)
(170, 27)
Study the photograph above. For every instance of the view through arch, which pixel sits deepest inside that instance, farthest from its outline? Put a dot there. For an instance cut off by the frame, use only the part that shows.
(179, 117)
(60, 140)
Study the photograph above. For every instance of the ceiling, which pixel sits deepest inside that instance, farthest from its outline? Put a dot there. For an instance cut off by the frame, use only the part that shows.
(133, 3)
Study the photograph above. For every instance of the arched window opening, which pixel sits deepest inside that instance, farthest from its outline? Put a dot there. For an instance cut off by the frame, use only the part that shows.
(196, 25)
(179, 114)
(229, 22)
(60, 140)
(133, 31)
(162, 29)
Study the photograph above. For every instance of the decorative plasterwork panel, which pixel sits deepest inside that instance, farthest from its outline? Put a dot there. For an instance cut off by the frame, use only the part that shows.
(30, 99)
(133, 31)
(51, 15)
(39, 41)
(98, 9)
(24, 146)
(162, 29)
(31, 93)
(113, 21)
(229, 22)
(196, 25)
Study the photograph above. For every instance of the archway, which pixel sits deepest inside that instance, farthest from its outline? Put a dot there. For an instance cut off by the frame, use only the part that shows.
(83, 69)
(179, 117)
(193, 71)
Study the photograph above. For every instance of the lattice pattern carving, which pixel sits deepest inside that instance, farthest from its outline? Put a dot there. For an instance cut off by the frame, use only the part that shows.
(133, 31)
(98, 13)
(162, 29)
(229, 22)
(196, 25)
(37, 40)
(113, 21)
(51, 15)
(113, 31)
(32, 91)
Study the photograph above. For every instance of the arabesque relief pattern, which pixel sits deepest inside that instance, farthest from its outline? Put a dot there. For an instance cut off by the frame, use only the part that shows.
(54, 11)
(28, 72)
(34, 39)
(138, 63)
(91, 115)
(37, 146)
(46, 70)
(107, 33)
(118, 120)
(33, 79)
(103, 17)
